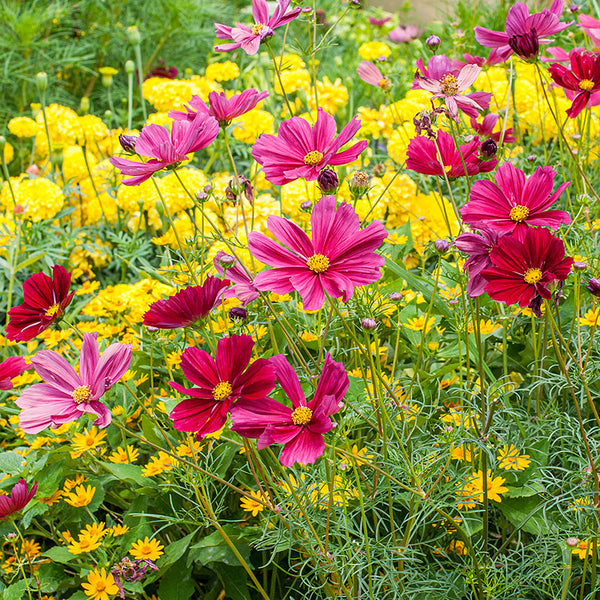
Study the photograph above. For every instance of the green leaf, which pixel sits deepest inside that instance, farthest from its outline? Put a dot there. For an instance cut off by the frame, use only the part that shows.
(213, 548)
(16, 591)
(173, 552)
(526, 513)
(11, 463)
(30, 261)
(59, 554)
(126, 472)
(233, 580)
(176, 583)
(51, 575)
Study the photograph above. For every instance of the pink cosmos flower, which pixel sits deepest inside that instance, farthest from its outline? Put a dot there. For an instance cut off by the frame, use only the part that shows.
(524, 32)
(222, 108)
(486, 129)
(404, 34)
(300, 429)
(187, 307)
(591, 27)
(379, 22)
(299, 150)
(340, 256)
(19, 498)
(45, 300)
(422, 157)
(66, 395)
(243, 289)
(250, 38)
(10, 368)
(167, 149)
(371, 74)
(524, 269)
(451, 88)
(479, 248)
(514, 203)
(219, 383)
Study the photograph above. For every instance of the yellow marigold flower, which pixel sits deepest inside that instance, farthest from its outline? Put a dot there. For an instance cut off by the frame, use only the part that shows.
(87, 441)
(332, 95)
(41, 198)
(158, 464)
(189, 448)
(510, 458)
(251, 124)
(100, 586)
(590, 319)
(461, 453)
(408, 412)
(456, 418)
(150, 549)
(396, 239)
(86, 543)
(222, 71)
(118, 530)
(251, 505)
(373, 50)
(420, 323)
(82, 496)
(122, 455)
(23, 127)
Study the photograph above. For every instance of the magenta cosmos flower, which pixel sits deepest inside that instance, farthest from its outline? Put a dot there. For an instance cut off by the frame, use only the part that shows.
(299, 150)
(219, 384)
(451, 87)
(591, 27)
(243, 289)
(524, 269)
(300, 429)
(222, 108)
(340, 256)
(524, 32)
(10, 368)
(19, 498)
(187, 307)
(422, 157)
(66, 395)
(165, 148)
(404, 34)
(486, 129)
(479, 248)
(371, 74)
(514, 203)
(583, 79)
(45, 301)
(250, 38)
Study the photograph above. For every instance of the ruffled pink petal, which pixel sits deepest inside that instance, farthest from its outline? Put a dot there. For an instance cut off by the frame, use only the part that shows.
(288, 380)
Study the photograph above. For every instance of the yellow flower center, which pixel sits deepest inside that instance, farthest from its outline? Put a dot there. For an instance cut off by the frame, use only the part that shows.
(318, 263)
(302, 416)
(385, 83)
(449, 85)
(586, 85)
(52, 310)
(313, 158)
(532, 276)
(82, 394)
(222, 391)
(100, 586)
(256, 29)
(519, 213)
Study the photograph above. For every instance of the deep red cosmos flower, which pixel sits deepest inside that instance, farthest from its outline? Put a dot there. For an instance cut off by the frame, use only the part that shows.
(486, 129)
(478, 247)
(422, 157)
(46, 299)
(301, 150)
(19, 497)
(300, 428)
(514, 203)
(222, 108)
(340, 256)
(187, 306)
(583, 78)
(524, 32)
(524, 269)
(219, 384)
(9, 368)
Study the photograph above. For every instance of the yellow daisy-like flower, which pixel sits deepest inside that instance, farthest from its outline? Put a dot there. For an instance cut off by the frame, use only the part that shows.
(88, 441)
(472, 491)
(150, 549)
(251, 505)
(510, 458)
(53, 498)
(23, 127)
(82, 496)
(420, 324)
(122, 455)
(71, 483)
(583, 549)
(590, 319)
(100, 586)
(117, 530)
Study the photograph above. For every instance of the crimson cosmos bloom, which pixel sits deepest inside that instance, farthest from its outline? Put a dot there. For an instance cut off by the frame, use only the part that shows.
(299, 150)
(524, 269)
(20, 496)
(479, 248)
(524, 32)
(422, 157)
(486, 129)
(222, 108)
(66, 395)
(583, 78)
(371, 74)
(9, 368)
(46, 299)
(187, 307)
(514, 203)
(250, 38)
(243, 289)
(340, 256)
(220, 382)
(167, 148)
(300, 428)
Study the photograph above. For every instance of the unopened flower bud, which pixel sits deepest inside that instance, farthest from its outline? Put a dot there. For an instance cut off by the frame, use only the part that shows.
(33, 170)
(574, 8)
(593, 285)
(441, 246)
(395, 296)
(133, 35)
(42, 81)
(369, 324)
(202, 197)
(572, 541)
(151, 329)
(226, 261)
(107, 115)
(328, 180)
(129, 67)
(531, 158)
(207, 188)
(433, 42)
(488, 149)
(18, 209)
(378, 170)
(84, 105)
(359, 183)
(238, 312)
(306, 206)
(580, 265)
(128, 143)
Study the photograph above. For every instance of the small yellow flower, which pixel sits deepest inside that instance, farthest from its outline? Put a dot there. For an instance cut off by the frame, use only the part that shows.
(88, 441)
(150, 549)
(373, 50)
(82, 496)
(590, 319)
(117, 530)
(122, 455)
(510, 458)
(53, 498)
(71, 483)
(251, 505)
(420, 323)
(100, 586)
(472, 491)
(583, 549)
